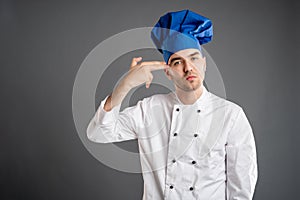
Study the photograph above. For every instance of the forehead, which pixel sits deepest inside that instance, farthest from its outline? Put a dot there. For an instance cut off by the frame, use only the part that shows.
(184, 53)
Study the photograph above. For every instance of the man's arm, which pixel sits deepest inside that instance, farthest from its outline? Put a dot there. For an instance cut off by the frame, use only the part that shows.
(108, 125)
(241, 160)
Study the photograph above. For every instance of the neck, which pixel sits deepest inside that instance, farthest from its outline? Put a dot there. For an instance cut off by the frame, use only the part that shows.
(189, 97)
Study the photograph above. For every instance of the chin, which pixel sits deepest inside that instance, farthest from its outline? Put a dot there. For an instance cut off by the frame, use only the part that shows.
(190, 87)
(195, 86)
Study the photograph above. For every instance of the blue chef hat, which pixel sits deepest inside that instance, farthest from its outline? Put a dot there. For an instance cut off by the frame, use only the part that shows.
(180, 30)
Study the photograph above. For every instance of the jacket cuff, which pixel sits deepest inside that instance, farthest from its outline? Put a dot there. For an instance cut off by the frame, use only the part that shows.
(106, 117)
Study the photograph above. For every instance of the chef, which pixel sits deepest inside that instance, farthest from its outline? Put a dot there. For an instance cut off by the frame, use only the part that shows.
(192, 143)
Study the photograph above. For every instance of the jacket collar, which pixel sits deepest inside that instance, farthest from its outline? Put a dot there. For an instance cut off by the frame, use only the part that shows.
(200, 103)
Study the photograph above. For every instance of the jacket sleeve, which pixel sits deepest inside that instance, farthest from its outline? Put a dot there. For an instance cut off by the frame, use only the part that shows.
(241, 160)
(112, 126)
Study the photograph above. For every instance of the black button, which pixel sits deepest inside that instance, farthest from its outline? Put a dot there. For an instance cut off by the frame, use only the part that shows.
(175, 134)
(194, 162)
(177, 109)
(198, 111)
(174, 161)
(191, 188)
(195, 135)
(171, 187)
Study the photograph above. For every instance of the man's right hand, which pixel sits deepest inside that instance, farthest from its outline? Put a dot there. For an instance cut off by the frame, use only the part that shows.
(138, 74)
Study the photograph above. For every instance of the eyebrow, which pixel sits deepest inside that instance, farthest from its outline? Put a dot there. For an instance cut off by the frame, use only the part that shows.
(193, 54)
(178, 58)
(174, 59)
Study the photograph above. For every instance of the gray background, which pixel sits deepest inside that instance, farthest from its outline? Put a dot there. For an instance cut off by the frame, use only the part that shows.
(43, 43)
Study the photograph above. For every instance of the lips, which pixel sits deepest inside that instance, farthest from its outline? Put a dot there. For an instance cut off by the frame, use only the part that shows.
(190, 77)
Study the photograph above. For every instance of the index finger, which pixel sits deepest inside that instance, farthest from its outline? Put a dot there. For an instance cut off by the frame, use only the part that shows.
(158, 66)
(152, 63)
(155, 65)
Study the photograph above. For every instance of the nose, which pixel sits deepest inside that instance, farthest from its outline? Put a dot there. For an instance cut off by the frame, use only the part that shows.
(187, 66)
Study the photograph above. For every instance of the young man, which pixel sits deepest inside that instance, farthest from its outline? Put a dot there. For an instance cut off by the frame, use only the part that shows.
(195, 144)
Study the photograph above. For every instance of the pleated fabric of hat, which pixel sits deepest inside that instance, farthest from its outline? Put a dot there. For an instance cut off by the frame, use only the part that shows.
(181, 30)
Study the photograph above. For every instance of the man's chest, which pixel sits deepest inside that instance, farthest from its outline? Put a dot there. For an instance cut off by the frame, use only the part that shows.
(187, 132)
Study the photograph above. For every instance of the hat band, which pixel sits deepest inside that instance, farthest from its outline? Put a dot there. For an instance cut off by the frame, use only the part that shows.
(178, 42)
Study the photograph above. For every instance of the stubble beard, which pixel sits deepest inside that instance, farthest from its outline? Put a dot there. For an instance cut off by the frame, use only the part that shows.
(187, 86)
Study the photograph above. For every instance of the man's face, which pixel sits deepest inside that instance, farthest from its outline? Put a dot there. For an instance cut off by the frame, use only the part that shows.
(187, 69)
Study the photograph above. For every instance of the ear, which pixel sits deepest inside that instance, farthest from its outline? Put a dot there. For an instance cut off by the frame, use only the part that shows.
(204, 65)
(167, 73)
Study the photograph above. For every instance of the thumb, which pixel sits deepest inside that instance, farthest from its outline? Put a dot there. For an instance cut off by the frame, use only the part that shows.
(135, 61)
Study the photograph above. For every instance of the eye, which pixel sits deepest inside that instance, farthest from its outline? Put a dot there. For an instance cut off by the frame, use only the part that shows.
(177, 63)
(194, 58)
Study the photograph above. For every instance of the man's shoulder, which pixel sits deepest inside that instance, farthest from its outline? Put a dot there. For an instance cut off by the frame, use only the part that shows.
(229, 105)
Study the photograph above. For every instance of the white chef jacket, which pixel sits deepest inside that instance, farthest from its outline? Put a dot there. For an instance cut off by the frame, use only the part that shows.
(201, 151)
